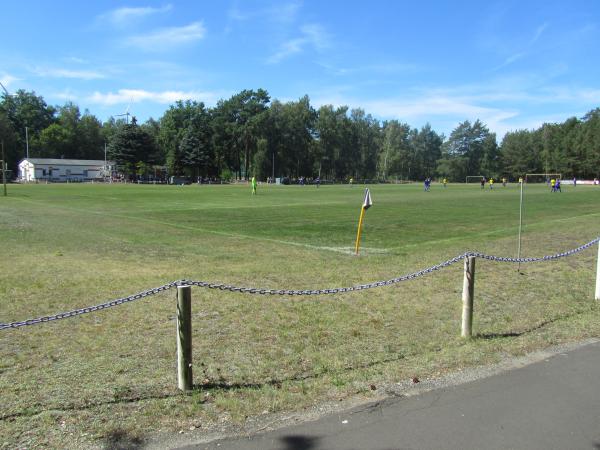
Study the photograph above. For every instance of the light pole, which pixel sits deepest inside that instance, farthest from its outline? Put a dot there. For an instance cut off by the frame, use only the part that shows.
(3, 169)
(27, 142)
(4, 89)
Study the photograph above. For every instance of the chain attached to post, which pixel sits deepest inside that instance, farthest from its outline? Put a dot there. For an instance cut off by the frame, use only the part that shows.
(338, 290)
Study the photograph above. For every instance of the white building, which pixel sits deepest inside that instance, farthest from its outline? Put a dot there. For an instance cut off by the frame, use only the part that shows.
(36, 169)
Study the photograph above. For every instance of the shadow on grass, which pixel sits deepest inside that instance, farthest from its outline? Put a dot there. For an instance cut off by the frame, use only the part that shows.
(211, 385)
(122, 440)
(228, 386)
(529, 330)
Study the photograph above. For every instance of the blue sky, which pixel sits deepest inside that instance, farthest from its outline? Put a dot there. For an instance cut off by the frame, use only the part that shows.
(511, 64)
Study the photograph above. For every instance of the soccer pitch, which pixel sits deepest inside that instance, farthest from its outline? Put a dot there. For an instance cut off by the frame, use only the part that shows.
(70, 246)
(322, 219)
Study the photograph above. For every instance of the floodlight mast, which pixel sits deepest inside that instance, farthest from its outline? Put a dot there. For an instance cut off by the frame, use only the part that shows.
(126, 113)
(3, 168)
(4, 89)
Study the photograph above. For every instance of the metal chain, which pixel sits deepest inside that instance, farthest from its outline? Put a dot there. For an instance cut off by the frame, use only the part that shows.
(89, 309)
(529, 260)
(339, 290)
(251, 290)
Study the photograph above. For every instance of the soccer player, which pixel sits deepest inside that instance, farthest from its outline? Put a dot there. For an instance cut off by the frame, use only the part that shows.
(557, 185)
(504, 182)
(491, 183)
(553, 184)
(482, 182)
(351, 181)
(520, 180)
(253, 185)
(445, 182)
(427, 184)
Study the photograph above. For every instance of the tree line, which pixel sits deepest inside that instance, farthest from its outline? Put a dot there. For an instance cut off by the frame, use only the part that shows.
(250, 134)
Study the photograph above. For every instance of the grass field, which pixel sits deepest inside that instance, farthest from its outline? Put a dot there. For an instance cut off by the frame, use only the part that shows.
(90, 381)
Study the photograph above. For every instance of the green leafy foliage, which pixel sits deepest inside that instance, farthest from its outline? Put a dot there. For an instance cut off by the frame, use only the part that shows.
(251, 134)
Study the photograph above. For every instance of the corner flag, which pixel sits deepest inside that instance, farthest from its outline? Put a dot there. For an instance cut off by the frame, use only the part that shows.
(366, 205)
(368, 202)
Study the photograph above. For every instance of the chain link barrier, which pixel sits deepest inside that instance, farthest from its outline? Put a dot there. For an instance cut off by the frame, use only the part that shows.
(291, 292)
(89, 309)
(531, 260)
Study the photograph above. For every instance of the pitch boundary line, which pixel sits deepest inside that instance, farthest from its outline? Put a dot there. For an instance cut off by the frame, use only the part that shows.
(204, 230)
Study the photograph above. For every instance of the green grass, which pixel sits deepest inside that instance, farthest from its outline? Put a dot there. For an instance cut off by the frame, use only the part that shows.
(85, 381)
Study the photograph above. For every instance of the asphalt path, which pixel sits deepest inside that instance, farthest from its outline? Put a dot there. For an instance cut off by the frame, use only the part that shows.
(550, 404)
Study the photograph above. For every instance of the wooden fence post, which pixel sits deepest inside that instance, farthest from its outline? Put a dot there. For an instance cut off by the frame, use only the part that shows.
(467, 297)
(184, 338)
(598, 274)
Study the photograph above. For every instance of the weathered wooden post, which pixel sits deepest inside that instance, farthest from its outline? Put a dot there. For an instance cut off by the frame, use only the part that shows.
(467, 297)
(184, 338)
(598, 274)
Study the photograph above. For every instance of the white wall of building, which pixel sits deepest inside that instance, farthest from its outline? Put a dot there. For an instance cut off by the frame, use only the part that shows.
(36, 169)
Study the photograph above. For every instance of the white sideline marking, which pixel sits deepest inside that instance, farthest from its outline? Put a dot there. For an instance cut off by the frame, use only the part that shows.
(211, 207)
(343, 250)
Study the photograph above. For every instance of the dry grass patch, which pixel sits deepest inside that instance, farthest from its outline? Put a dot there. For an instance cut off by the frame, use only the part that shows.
(109, 378)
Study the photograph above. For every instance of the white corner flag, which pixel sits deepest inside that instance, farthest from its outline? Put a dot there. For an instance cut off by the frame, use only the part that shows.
(368, 202)
(366, 205)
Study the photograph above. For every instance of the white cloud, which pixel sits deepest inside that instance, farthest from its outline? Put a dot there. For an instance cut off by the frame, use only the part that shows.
(379, 69)
(503, 105)
(167, 38)
(316, 35)
(312, 35)
(67, 73)
(508, 61)
(284, 12)
(443, 110)
(287, 49)
(281, 13)
(75, 59)
(65, 95)
(126, 96)
(124, 16)
(7, 79)
(538, 32)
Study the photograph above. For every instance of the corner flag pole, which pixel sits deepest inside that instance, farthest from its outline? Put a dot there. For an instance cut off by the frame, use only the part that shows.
(366, 205)
(360, 221)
